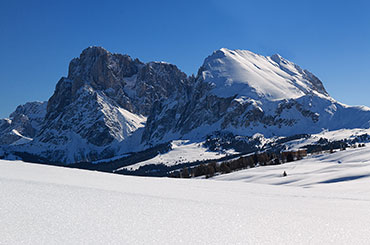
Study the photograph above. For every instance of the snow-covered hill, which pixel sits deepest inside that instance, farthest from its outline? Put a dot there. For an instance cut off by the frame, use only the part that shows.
(346, 170)
(319, 201)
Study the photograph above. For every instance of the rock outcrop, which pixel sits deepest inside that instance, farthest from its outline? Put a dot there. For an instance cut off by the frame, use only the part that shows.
(103, 101)
(23, 124)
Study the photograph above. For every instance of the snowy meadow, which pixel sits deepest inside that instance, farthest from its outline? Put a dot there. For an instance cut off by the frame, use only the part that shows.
(324, 199)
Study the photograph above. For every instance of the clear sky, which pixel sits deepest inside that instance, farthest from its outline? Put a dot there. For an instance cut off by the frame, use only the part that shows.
(39, 38)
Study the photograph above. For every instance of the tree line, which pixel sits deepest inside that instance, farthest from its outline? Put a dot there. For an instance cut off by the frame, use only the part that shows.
(257, 159)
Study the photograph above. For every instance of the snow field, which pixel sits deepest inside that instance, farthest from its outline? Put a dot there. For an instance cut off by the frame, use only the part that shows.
(273, 78)
(52, 205)
(182, 151)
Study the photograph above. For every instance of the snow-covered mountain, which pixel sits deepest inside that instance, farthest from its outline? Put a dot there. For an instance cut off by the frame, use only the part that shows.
(245, 93)
(243, 73)
(111, 105)
(104, 100)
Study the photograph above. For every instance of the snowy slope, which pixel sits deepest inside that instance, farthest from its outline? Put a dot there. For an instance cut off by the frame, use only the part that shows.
(347, 170)
(335, 135)
(51, 205)
(182, 151)
(185, 151)
(255, 76)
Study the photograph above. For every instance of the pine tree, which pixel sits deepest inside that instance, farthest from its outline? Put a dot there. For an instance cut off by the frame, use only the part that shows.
(289, 157)
(185, 173)
(224, 168)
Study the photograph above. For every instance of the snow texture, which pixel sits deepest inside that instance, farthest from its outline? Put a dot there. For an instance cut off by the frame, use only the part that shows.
(335, 135)
(182, 151)
(248, 74)
(338, 169)
(325, 203)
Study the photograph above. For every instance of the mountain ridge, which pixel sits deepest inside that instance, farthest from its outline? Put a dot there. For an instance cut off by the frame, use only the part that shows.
(110, 104)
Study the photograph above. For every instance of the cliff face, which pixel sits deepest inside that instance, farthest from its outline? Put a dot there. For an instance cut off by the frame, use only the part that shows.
(103, 101)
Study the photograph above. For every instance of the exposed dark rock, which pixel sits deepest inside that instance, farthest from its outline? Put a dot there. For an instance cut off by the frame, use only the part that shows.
(24, 122)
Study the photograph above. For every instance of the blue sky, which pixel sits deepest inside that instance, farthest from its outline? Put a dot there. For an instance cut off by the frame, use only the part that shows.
(39, 38)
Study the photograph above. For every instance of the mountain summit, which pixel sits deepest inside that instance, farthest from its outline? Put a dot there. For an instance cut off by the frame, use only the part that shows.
(244, 93)
(255, 76)
(111, 104)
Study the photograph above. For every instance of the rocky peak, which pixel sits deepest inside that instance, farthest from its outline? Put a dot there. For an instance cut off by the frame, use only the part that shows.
(160, 81)
(24, 122)
(105, 99)
(98, 69)
(101, 69)
(160, 78)
(32, 110)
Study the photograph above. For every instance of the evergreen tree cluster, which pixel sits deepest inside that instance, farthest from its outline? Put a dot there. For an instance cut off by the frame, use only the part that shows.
(210, 169)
